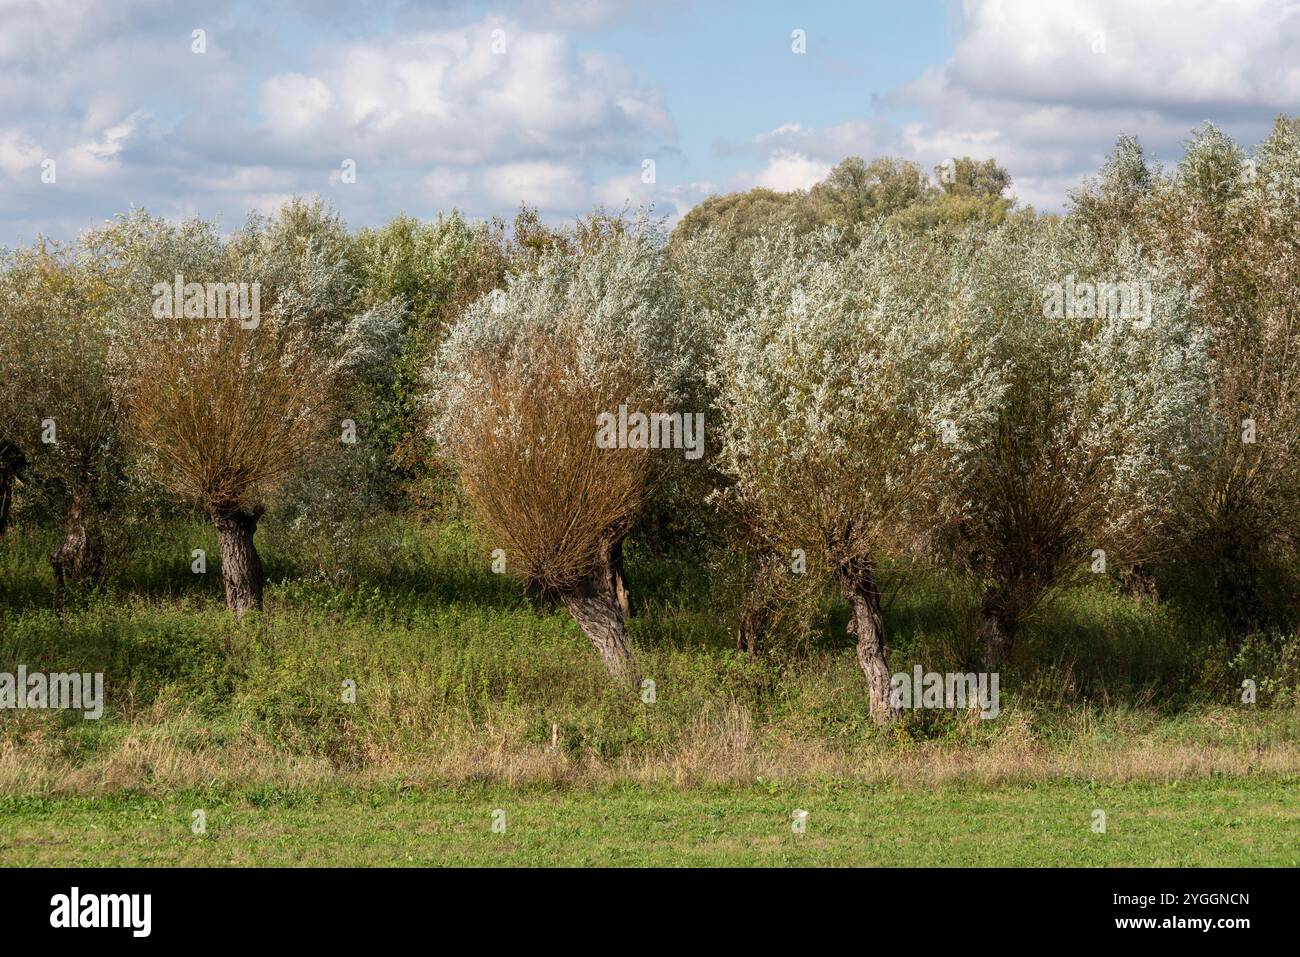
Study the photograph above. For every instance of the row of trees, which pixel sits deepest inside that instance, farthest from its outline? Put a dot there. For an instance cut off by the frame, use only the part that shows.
(878, 374)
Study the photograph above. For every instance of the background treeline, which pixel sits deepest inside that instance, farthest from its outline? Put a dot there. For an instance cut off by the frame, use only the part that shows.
(887, 405)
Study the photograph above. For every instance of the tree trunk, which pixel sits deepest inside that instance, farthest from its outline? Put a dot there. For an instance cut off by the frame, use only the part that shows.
(996, 638)
(760, 605)
(241, 568)
(1006, 607)
(595, 606)
(755, 619)
(619, 579)
(860, 589)
(81, 556)
(11, 463)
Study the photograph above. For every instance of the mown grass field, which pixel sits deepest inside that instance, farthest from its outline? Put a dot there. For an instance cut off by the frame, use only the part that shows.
(470, 699)
(1209, 822)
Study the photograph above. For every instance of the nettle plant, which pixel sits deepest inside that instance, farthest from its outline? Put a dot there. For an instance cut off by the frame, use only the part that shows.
(518, 391)
(1099, 428)
(849, 379)
(229, 410)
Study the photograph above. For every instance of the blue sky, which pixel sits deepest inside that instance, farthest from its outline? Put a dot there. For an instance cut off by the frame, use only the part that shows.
(559, 103)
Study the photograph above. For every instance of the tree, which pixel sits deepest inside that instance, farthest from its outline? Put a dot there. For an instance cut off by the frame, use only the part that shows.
(965, 176)
(736, 217)
(58, 417)
(1110, 205)
(1227, 223)
(230, 405)
(854, 191)
(1096, 432)
(519, 390)
(836, 379)
(437, 269)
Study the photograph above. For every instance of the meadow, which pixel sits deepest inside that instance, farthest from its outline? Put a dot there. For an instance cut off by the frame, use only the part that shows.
(469, 698)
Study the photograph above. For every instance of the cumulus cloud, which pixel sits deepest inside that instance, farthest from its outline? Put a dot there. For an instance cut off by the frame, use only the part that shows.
(1160, 54)
(1046, 88)
(787, 171)
(489, 92)
(438, 104)
(487, 113)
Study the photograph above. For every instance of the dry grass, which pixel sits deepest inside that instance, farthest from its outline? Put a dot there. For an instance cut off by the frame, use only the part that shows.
(723, 746)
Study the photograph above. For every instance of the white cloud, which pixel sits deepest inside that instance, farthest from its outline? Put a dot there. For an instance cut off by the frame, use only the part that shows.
(294, 104)
(1046, 88)
(787, 171)
(537, 183)
(432, 115)
(18, 153)
(449, 97)
(1157, 53)
(443, 185)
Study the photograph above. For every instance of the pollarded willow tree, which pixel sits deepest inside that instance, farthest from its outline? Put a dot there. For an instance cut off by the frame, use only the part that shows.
(58, 416)
(1100, 427)
(848, 380)
(1231, 226)
(518, 393)
(236, 360)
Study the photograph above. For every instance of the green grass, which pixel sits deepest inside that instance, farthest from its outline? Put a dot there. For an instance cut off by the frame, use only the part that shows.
(1216, 822)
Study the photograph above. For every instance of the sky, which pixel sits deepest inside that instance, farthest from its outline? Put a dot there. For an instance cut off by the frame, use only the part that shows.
(384, 107)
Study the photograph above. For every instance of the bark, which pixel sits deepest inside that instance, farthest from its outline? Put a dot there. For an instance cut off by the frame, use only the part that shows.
(81, 555)
(241, 567)
(755, 619)
(760, 606)
(11, 463)
(594, 605)
(996, 638)
(861, 590)
(1007, 606)
(619, 579)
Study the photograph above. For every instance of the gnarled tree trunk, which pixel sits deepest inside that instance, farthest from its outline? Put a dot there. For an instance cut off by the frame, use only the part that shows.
(1007, 606)
(11, 463)
(81, 555)
(861, 590)
(996, 637)
(595, 606)
(241, 568)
